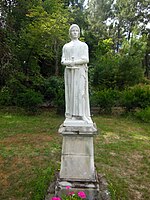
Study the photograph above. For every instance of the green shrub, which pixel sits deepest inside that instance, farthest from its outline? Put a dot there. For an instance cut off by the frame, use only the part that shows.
(5, 96)
(144, 114)
(29, 99)
(105, 99)
(128, 100)
(136, 97)
(17, 84)
(104, 72)
(54, 92)
(121, 70)
(129, 72)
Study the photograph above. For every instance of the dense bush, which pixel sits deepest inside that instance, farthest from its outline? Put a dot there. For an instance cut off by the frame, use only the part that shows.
(136, 97)
(5, 96)
(143, 114)
(20, 92)
(129, 71)
(15, 86)
(54, 92)
(104, 66)
(104, 72)
(118, 70)
(105, 99)
(131, 98)
(29, 99)
(16, 93)
(30, 94)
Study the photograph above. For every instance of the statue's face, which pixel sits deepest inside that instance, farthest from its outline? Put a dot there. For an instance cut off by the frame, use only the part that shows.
(74, 33)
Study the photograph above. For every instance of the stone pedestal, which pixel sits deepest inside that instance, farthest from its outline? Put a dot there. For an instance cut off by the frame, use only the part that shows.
(77, 161)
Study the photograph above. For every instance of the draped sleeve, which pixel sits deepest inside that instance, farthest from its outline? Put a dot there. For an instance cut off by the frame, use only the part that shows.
(63, 58)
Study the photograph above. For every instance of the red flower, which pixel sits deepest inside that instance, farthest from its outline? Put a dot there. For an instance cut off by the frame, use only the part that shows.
(71, 193)
(56, 198)
(82, 195)
(68, 187)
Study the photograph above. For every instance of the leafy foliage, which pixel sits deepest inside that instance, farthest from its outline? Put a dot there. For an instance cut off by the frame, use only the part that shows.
(18, 93)
(118, 70)
(129, 14)
(54, 92)
(105, 99)
(29, 99)
(144, 114)
(5, 96)
(136, 97)
(33, 33)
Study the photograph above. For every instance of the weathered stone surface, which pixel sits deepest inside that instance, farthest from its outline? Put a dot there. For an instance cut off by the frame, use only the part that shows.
(82, 130)
(77, 145)
(77, 159)
(76, 122)
(77, 168)
(103, 188)
(93, 191)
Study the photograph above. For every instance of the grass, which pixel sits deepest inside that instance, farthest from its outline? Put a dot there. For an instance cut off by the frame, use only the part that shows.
(122, 153)
(30, 148)
(30, 153)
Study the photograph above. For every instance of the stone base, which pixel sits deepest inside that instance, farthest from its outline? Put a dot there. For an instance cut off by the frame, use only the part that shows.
(79, 122)
(91, 189)
(78, 130)
(77, 160)
(99, 189)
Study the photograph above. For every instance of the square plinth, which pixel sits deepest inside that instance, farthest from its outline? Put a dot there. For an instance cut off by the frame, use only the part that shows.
(77, 159)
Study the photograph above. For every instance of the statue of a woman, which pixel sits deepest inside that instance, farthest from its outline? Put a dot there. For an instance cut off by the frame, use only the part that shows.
(75, 57)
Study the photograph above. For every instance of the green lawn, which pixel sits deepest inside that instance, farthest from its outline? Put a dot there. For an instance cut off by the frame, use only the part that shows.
(30, 150)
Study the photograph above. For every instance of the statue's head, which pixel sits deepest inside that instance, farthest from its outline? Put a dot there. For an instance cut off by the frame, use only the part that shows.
(74, 31)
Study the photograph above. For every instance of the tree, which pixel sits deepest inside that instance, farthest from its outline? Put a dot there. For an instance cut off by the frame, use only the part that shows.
(33, 34)
(50, 28)
(146, 61)
(12, 19)
(25, 23)
(123, 16)
(130, 14)
(98, 12)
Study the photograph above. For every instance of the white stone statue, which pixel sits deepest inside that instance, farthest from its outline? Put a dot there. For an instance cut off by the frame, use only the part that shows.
(75, 57)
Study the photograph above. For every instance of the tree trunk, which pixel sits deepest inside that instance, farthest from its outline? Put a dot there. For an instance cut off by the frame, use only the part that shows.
(147, 65)
(56, 58)
(118, 38)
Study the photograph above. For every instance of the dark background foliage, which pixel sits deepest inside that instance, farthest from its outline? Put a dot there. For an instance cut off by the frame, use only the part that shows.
(33, 33)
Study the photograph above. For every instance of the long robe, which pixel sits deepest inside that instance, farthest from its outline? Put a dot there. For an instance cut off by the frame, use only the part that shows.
(76, 79)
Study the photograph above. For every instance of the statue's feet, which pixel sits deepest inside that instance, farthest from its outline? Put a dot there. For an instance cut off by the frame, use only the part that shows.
(87, 119)
(68, 116)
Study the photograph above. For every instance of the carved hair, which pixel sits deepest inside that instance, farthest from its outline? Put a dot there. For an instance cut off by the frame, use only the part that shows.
(72, 26)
